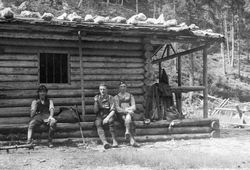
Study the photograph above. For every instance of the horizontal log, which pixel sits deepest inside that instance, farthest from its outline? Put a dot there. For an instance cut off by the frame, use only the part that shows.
(148, 138)
(72, 51)
(93, 133)
(18, 71)
(57, 101)
(18, 57)
(108, 59)
(19, 64)
(20, 78)
(184, 89)
(108, 77)
(70, 44)
(163, 128)
(25, 120)
(72, 85)
(107, 65)
(57, 36)
(109, 71)
(25, 111)
(22, 94)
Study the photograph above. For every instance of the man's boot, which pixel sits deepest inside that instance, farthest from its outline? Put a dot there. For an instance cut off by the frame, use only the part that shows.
(102, 136)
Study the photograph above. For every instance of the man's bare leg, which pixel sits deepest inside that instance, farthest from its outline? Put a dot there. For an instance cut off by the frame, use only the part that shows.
(29, 136)
(128, 134)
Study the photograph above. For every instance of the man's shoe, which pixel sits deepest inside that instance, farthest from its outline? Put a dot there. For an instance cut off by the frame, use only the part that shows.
(136, 145)
(106, 145)
(29, 141)
(127, 136)
(51, 145)
(115, 144)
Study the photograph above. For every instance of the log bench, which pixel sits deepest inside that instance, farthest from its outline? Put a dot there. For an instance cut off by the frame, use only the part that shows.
(155, 131)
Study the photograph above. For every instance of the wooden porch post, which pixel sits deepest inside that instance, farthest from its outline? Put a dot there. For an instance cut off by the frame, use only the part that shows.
(205, 84)
(81, 74)
(179, 95)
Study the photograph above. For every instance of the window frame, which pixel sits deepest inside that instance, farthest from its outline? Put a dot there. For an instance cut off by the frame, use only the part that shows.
(68, 64)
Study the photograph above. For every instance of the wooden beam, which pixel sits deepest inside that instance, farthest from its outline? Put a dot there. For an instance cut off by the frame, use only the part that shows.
(205, 84)
(178, 95)
(179, 54)
(81, 74)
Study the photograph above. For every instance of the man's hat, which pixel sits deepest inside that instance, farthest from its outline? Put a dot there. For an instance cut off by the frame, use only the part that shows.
(42, 88)
(122, 83)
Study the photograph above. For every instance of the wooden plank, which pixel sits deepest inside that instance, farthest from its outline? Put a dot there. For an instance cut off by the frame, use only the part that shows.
(57, 36)
(107, 65)
(179, 54)
(108, 77)
(18, 71)
(101, 71)
(109, 59)
(18, 64)
(18, 57)
(205, 83)
(20, 78)
(70, 44)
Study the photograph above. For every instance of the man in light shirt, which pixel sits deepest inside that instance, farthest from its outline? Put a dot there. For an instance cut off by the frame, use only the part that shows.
(125, 109)
(42, 112)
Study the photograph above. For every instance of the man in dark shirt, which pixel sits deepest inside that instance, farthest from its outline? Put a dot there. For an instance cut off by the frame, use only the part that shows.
(105, 110)
(42, 112)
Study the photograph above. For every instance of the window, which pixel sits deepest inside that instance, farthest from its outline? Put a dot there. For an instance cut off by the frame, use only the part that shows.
(53, 68)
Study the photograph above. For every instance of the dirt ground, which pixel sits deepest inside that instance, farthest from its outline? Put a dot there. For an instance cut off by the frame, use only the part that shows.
(231, 151)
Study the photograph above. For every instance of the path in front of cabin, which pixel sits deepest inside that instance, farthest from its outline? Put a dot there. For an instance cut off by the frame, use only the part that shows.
(231, 151)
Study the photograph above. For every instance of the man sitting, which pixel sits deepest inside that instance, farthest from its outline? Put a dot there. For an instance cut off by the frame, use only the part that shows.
(125, 108)
(105, 110)
(42, 112)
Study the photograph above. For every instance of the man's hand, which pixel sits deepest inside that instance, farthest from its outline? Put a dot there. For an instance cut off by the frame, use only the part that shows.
(49, 119)
(105, 121)
(96, 98)
(129, 111)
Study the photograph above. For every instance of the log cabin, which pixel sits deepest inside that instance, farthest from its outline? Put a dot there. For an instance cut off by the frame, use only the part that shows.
(73, 58)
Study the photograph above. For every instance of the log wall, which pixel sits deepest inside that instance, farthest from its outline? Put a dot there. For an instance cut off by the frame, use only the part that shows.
(105, 59)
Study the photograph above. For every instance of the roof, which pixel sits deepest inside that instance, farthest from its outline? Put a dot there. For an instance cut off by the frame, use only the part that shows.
(174, 33)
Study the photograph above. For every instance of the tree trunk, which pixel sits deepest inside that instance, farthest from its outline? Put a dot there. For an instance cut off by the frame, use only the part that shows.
(137, 8)
(232, 34)
(239, 58)
(226, 36)
(80, 4)
(122, 2)
(223, 57)
(107, 2)
(154, 14)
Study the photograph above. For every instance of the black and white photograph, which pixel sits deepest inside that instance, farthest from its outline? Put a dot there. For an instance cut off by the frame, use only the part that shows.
(124, 84)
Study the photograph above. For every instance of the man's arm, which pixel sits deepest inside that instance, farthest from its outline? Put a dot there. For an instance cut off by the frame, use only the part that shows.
(112, 110)
(132, 103)
(51, 108)
(96, 105)
(33, 108)
(117, 106)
